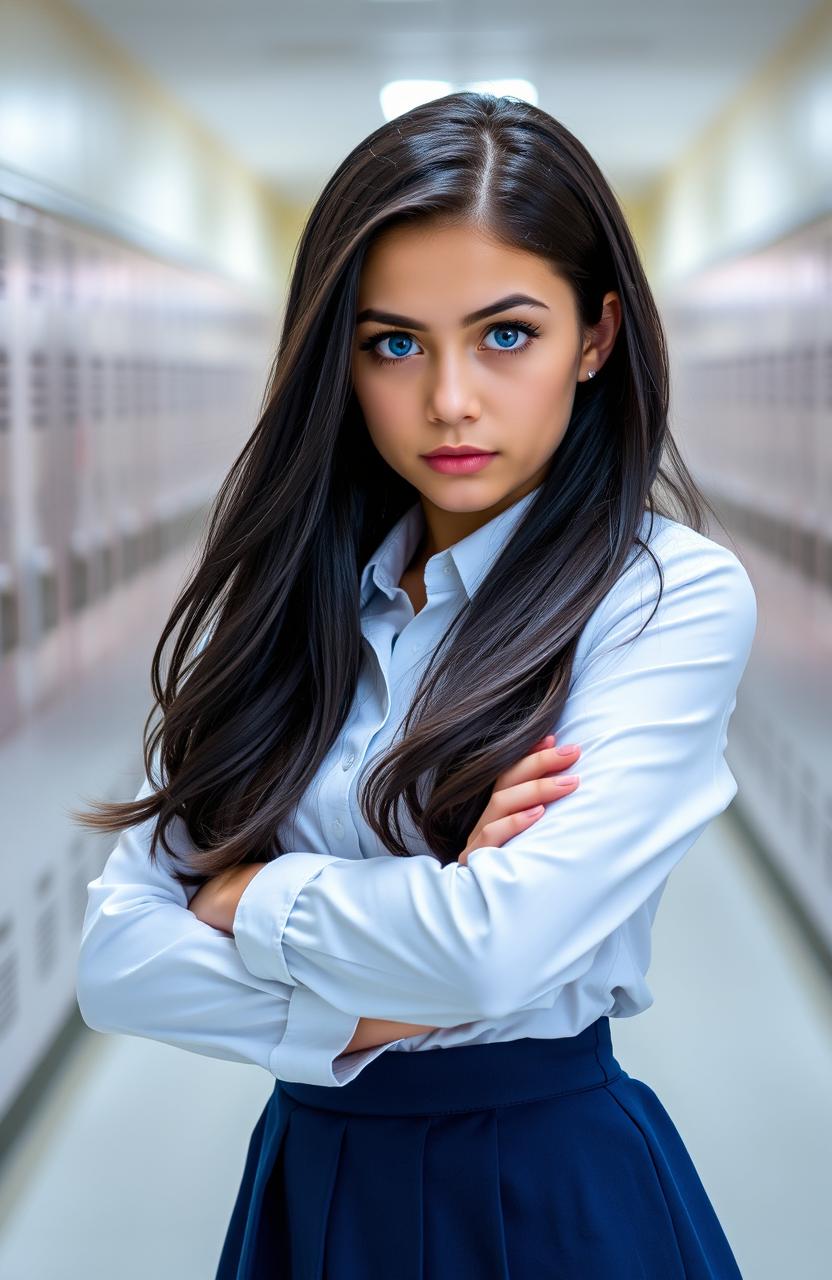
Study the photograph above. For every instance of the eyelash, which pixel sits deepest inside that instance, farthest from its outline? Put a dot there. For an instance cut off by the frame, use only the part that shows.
(531, 329)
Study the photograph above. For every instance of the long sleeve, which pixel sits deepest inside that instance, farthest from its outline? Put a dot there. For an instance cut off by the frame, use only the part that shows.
(411, 939)
(147, 966)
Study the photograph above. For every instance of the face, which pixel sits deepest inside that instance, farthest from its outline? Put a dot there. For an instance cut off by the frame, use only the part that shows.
(428, 371)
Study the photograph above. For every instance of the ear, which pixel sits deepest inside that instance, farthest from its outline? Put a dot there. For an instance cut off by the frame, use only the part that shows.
(600, 337)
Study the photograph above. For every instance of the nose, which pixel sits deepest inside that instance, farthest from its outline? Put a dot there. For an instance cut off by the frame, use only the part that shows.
(453, 395)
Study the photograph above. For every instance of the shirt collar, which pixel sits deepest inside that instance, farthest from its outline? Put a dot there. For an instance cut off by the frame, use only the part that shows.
(471, 557)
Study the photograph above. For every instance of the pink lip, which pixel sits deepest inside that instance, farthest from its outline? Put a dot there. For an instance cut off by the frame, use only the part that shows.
(462, 464)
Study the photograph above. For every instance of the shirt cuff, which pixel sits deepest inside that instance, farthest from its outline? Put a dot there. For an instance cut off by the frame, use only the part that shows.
(316, 1033)
(264, 907)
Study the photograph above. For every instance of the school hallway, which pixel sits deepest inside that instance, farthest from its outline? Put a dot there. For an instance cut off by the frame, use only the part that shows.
(196, 427)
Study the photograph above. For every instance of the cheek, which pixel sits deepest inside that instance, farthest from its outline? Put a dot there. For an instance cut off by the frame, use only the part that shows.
(385, 407)
(543, 394)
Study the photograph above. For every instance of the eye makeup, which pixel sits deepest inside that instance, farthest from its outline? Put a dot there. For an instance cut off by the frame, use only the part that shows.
(524, 326)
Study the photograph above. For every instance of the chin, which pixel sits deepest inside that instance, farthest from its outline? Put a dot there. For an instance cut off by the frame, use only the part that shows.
(467, 496)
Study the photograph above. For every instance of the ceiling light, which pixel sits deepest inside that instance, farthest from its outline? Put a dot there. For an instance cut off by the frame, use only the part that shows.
(399, 96)
(514, 88)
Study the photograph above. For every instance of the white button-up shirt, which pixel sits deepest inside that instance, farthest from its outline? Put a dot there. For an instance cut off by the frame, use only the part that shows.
(537, 937)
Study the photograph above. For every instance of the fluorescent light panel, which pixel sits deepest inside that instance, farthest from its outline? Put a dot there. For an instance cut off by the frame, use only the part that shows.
(398, 96)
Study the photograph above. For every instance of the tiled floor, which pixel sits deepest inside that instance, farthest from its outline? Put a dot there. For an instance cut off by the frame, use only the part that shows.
(131, 1166)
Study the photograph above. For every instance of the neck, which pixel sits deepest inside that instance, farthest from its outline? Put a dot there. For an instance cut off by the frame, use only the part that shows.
(445, 528)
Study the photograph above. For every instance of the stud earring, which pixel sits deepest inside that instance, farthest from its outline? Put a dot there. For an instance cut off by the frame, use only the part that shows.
(590, 373)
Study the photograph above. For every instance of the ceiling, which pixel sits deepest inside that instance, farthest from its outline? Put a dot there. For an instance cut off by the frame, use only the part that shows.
(292, 87)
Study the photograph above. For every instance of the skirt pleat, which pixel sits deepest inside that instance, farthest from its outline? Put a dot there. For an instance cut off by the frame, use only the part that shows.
(377, 1201)
(463, 1212)
(517, 1160)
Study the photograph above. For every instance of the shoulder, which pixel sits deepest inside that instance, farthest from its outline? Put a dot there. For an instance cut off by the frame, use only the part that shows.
(686, 555)
(703, 584)
(689, 557)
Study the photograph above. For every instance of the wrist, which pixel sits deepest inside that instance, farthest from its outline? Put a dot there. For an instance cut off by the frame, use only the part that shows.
(371, 1032)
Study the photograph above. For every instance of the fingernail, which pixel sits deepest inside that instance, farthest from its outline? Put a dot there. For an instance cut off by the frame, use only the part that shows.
(566, 751)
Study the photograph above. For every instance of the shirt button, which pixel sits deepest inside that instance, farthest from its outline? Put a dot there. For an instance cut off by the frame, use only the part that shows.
(348, 760)
(446, 569)
(338, 827)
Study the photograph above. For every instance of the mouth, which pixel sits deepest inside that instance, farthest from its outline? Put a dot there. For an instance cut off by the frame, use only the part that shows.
(460, 451)
(458, 464)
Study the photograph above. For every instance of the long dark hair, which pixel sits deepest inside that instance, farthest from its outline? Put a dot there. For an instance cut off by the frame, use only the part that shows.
(265, 665)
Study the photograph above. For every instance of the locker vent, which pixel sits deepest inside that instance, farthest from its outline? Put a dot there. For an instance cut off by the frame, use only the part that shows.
(46, 940)
(38, 390)
(71, 389)
(122, 399)
(96, 388)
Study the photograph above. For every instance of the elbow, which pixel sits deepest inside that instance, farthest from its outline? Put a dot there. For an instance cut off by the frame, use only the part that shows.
(96, 995)
(91, 1000)
(90, 1006)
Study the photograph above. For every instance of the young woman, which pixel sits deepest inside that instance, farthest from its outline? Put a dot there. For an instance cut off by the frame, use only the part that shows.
(369, 849)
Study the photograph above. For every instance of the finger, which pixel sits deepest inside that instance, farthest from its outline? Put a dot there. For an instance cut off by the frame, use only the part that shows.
(502, 829)
(542, 744)
(524, 795)
(537, 763)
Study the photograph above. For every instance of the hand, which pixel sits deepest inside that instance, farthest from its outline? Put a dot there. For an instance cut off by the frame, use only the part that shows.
(215, 902)
(518, 788)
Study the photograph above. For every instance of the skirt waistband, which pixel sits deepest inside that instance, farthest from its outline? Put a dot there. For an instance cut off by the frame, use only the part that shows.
(469, 1077)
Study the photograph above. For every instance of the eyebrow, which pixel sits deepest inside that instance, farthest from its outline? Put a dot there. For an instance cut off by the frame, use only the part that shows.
(406, 322)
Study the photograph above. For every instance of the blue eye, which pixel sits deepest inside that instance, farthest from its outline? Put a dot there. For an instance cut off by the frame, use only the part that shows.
(397, 338)
(502, 329)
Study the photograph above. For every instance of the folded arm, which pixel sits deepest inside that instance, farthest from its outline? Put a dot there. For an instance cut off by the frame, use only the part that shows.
(148, 967)
(409, 938)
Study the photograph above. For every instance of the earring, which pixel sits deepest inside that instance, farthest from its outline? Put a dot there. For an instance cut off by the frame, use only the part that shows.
(590, 373)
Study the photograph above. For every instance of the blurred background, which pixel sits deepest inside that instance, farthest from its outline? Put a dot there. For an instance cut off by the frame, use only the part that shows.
(156, 163)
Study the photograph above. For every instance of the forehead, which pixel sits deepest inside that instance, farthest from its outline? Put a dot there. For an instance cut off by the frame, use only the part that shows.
(433, 271)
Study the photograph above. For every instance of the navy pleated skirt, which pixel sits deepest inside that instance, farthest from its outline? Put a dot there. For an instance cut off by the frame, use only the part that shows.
(518, 1160)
